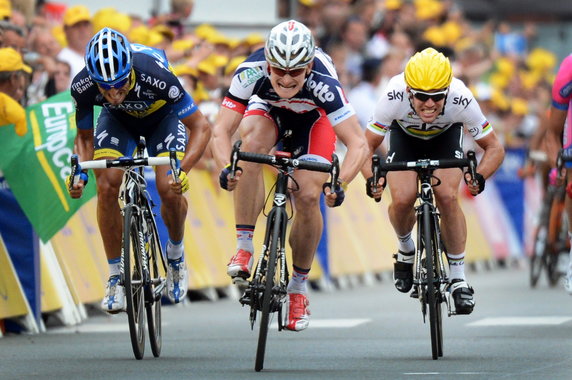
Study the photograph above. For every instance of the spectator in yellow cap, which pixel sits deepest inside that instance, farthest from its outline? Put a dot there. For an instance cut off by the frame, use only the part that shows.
(13, 80)
(78, 30)
(5, 10)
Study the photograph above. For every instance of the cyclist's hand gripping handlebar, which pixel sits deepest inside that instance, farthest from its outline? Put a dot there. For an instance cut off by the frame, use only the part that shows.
(335, 185)
(229, 171)
(77, 175)
(472, 178)
(371, 185)
(179, 176)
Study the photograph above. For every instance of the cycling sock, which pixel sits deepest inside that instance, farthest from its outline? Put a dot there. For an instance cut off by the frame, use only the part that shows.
(297, 283)
(244, 235)
(406, 243)
(175, 249)
(114, 266)
(456, 265)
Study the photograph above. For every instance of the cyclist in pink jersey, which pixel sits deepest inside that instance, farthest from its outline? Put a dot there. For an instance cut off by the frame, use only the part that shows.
(560, 135)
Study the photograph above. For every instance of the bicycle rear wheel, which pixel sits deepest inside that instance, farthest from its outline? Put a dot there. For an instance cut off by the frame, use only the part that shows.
(433, 296)
(269, 282)
(133, 281)
(154, 289)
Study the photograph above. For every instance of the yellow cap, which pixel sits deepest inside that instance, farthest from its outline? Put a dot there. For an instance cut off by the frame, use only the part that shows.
(11, 112)
(500, 100)
(155, 38)
(541, 60)
(185, 70)
(435, 35)
(308, 3)
(428, 70)
(139, 35)
(233, 64)
(183, 45)
(200, 94)
(203, 31)
(207, 67)
(529, 79)
(451, 31)
(60, 35)
(254, 39)
(165, 31)
(498, 80)
(76, 14)
(5, 9)
(429, 10)
(101, 17)
(393, 5)
(118, 21)
(11, 60)
(505, 66)
(519, 106)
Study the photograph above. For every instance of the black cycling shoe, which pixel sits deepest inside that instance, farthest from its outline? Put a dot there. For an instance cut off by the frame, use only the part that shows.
(462, 296)
(403, 274)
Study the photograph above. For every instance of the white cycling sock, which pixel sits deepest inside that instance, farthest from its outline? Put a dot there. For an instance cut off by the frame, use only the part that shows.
(244, 235)
(298, 282)
(175, 249)
(114, 266)
(406, 244)
(456, 265)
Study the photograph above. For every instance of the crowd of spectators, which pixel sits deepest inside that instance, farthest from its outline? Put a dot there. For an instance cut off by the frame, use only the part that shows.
(368, 40)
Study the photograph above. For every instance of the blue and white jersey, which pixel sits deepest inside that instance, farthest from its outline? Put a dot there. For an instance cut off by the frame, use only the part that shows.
(154, 93)
(321, 90)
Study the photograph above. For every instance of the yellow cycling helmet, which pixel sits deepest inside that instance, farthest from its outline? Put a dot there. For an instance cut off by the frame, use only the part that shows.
(428, 70)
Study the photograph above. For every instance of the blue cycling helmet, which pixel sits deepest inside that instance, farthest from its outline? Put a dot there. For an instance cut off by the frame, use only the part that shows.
(108, 57)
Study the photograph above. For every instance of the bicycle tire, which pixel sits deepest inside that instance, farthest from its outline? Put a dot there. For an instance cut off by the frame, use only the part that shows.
(538, 259)
(557, 231)
(133, 282)
(432, 300)
(153, 300)
(268, 289)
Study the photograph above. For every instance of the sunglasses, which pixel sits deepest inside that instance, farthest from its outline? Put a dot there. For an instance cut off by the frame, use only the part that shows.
(292, 73)
(425, 96)
(121, 83)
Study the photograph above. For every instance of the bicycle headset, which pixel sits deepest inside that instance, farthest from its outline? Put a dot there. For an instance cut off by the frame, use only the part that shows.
(290, 45)
(109, 58)
(428, 70)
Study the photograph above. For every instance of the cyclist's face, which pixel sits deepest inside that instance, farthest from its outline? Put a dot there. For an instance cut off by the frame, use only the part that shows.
(116, 96)
(427, 104)
(288, 83)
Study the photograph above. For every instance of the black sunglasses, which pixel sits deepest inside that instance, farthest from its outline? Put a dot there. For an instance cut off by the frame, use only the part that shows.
(425, 96)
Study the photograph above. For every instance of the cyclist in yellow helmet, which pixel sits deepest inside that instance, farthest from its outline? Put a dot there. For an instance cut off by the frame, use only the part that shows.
(425, 111)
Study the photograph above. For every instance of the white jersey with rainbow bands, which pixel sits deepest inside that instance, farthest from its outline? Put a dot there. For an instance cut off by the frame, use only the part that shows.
(460, 107)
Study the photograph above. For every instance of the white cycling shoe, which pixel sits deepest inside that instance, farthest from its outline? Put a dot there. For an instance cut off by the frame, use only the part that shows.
(114, 300)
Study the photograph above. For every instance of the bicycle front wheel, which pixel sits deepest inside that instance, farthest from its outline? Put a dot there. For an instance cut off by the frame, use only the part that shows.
(274, 244)
(433, 292)
(154, 288)
(538, 258)
(133, 281)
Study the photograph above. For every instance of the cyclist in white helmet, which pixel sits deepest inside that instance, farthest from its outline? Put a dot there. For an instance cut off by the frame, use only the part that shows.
(287, 93)
(139, 96)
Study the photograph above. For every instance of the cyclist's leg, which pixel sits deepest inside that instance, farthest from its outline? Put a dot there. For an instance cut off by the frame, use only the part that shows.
(111, 141)
(403, 188)
(568, 205)
(173, 206)
(258, 133)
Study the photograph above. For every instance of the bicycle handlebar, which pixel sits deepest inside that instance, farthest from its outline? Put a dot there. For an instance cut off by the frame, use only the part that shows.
(279, 161)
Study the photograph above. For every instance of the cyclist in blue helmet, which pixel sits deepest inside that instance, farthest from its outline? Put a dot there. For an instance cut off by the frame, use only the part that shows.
(139, 96)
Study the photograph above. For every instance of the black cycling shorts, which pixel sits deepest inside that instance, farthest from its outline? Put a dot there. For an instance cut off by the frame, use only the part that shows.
(114, 139)
(404, 147)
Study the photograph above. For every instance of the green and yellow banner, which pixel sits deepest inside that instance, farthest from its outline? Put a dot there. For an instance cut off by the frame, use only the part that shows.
(36, 164)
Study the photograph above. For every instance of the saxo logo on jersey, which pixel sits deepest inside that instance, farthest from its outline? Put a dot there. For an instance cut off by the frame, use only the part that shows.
(320, 90)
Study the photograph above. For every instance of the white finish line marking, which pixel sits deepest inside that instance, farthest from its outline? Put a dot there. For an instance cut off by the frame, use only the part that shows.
(335, 323)
(520, 321)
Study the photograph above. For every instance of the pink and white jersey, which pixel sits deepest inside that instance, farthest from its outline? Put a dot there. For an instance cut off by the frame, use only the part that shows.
(562, 97)
(460, 107)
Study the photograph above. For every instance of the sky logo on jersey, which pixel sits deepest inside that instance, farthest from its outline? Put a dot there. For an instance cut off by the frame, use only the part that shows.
(460, 100)
(393, 95)
(320, 90)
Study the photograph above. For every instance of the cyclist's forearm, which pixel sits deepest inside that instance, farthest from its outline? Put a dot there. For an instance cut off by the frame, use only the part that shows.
(83, 145)
(355, 160)
(199, 138)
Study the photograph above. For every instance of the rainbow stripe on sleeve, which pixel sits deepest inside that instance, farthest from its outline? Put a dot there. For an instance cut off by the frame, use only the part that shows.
(379, 128)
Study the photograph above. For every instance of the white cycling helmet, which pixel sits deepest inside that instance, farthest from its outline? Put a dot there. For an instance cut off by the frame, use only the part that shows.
(290, 45)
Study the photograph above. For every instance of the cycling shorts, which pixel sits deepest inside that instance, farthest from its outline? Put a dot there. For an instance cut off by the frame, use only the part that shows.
(404, 147)
(113, 139)
(308, 136)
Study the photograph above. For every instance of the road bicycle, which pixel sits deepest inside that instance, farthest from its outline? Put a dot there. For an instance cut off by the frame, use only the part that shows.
(551, 242)
(266, 292)
(142, 263)
(430, 275)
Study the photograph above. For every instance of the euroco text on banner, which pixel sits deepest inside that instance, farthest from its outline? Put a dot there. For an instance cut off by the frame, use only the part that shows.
(36, 165)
